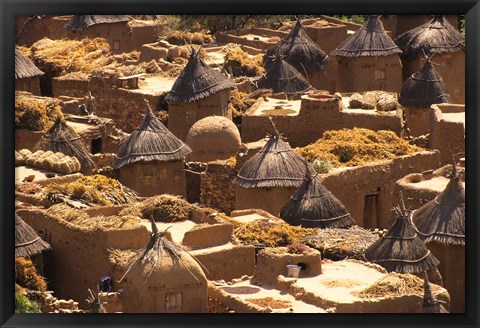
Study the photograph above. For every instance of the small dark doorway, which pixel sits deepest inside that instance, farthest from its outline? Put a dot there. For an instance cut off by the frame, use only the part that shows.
(370, 212)
(96, 145)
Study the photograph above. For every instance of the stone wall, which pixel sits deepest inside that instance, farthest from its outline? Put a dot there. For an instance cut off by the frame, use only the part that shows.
(126, 107)
(216, 188)
(315, 117)
(70, 86)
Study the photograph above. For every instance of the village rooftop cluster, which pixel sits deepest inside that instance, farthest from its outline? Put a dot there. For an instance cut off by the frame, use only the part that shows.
(313, 165)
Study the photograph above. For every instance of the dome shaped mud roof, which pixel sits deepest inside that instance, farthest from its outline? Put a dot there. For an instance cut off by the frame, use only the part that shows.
(213, 138)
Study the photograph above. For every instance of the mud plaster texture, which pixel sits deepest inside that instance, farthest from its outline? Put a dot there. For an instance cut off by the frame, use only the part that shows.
(30, 84)
(79, 257)
(314, 118)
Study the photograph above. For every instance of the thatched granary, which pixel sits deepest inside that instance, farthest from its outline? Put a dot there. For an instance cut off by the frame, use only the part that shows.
(151, 160)
(27, 242)
(440, 40)
(441, 224)
(368, 60)
(314, 206)
(268, 179)
(281, 77)
(429, 303)
(419, 92)
(62, 138)
(302, 53)
(163, 278)
(80, 22)
(213, 138)
(198, 92)
(400, 249)
(27, 75)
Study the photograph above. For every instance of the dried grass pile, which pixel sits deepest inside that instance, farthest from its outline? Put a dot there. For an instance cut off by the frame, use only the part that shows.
(239, 63)
(178, 37)
(269, 302)
(82, 219)
(65, 56)
(35, 113)
(51, 161)
(338, 244)
(269, 234)
(93, 190)
(30, 188)
(353, 147)
(26, 275)
(393, 284)
(240, 102)
(163, 208)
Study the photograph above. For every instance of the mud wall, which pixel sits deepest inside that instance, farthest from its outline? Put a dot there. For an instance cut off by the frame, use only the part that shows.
(30, 84)
(62, 86)
(315, 117)
(359, 74)
(451, 67)
(181, 116)
(154, 178)
(267, 199)
(351, 187)
(79, 257)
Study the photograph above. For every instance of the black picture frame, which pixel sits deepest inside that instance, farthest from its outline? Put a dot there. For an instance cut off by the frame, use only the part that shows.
(10, 8)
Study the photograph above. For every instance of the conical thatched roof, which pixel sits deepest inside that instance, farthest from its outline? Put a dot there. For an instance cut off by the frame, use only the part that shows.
(283, 77)
(442, 219)
(78, 22)
(300, 51)
(424, 88)
(314, 206)
(436, 36)
(27, 242)
(198, 81)
(151, 141)
(429, 303)
(275, 165)
(400, 249)
(370, 40)
(24, 67)
(62, 138)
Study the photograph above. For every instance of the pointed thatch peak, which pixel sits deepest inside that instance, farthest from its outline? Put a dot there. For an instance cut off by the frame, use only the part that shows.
(424, 88)
(79, 22)
(314, 206)
(27, 242)
(283, 77)
(275, 165)
(370, 40)
(400, 249)
(429, 303)
(62, 138)
(442, 219)
(436, 36)
(198, 81)
(300, 51)
(24, 67)
(151, 141)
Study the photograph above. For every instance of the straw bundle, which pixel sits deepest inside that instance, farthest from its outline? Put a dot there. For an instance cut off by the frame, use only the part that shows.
(436, 36)
(197, 81)
(62, 138)
(400, 249)
(151, 141)
(314, 206)
(442, 219)
(424, 88)
(275, 165)
(24, 67)
(283, 77)
(27, 242)
(300, 51)
(370, 40)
